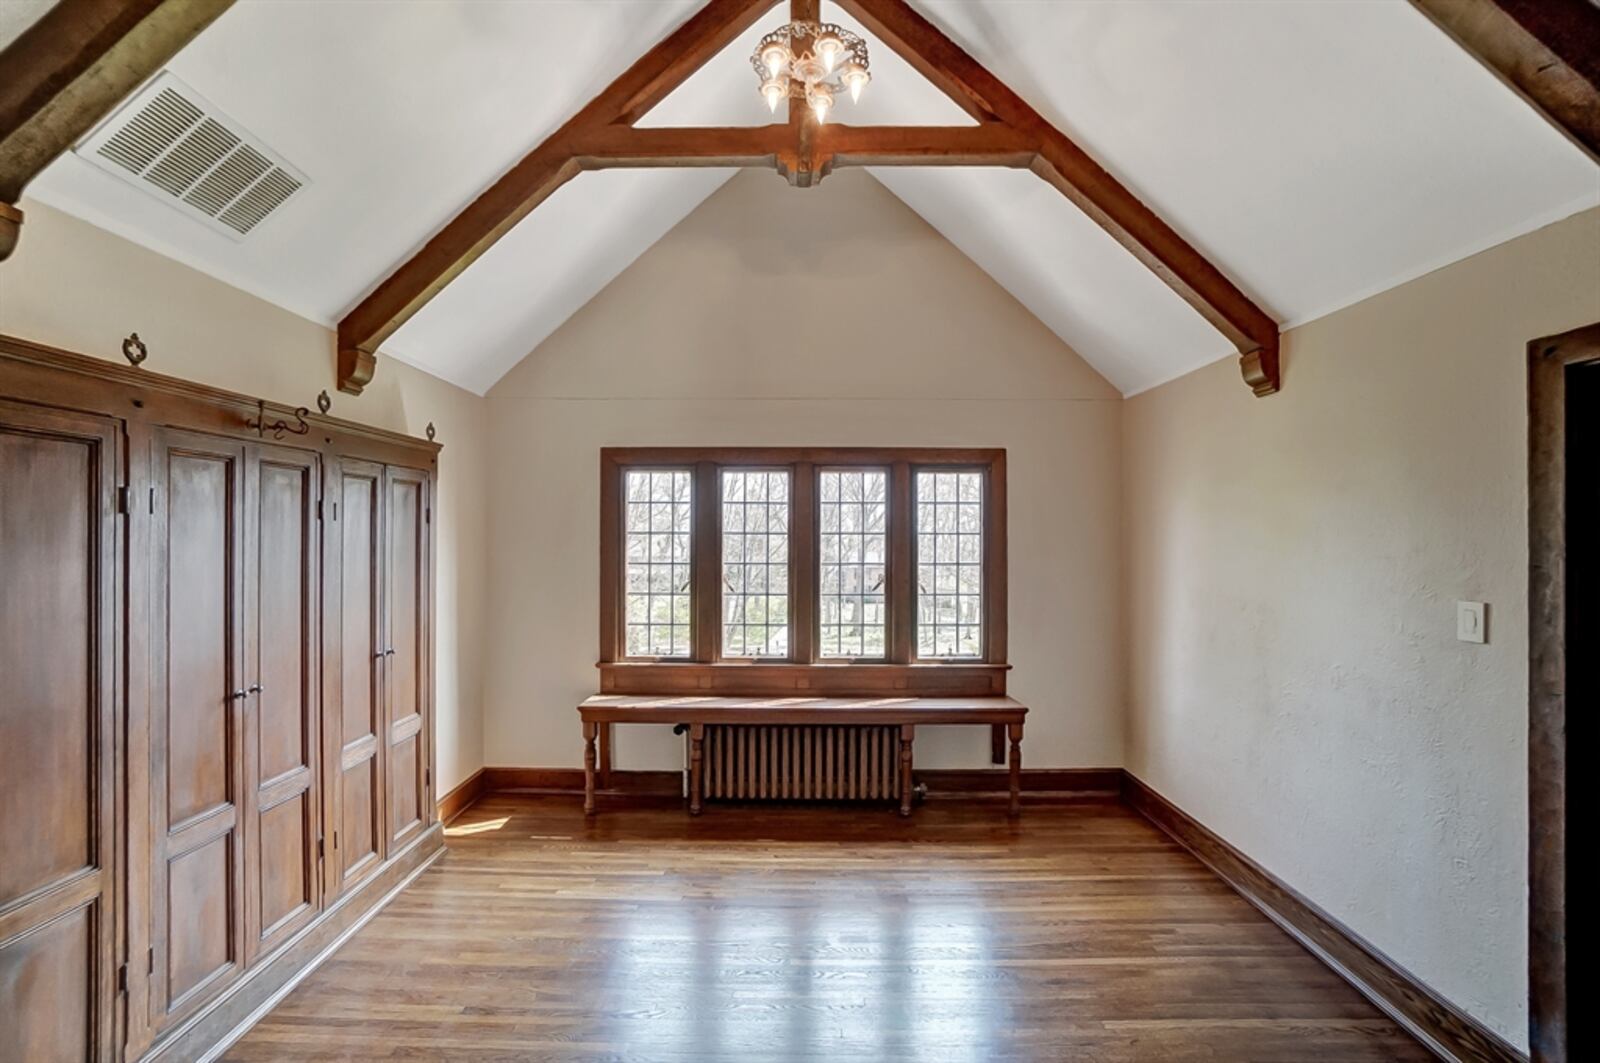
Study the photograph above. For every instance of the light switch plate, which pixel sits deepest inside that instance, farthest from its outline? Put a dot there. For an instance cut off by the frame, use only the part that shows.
(1472, 621)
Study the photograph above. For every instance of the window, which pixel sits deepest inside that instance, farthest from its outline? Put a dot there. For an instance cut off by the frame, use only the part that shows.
(949, 564)
(755, 563)
(658, 562)
(802, 569)
(854, 514)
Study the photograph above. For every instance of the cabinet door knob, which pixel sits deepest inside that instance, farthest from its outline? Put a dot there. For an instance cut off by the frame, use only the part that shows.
(257, 688)
(237, 695)
(389, 652)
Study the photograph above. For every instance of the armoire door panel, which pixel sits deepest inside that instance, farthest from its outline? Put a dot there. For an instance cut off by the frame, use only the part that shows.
(287, 881)
(405, 661)
(47, 988)
(285, 651)
(47, 655)
(201, 912)
(405, 799)
(197, 763)
(359, 837)
(59, 545)
(201, 629)
(282, 894)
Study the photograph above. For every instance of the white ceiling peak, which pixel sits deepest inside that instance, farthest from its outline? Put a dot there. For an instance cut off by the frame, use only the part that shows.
(1315, 151)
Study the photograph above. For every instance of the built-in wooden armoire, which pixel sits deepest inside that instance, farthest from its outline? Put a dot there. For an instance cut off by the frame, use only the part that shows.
(215, 700)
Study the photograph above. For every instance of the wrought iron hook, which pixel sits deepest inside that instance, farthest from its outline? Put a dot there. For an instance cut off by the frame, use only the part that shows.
(280, 427)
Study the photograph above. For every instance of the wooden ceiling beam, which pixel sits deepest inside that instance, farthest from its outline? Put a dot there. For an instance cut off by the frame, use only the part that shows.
(833, 144)
(619, 146)
(68, 70)
(550, 165)
(989, 144)
(1547, 51)
(1009, 133)
(1100, 195)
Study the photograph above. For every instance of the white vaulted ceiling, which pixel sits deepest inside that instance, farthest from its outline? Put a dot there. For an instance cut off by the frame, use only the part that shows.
(1318, 151)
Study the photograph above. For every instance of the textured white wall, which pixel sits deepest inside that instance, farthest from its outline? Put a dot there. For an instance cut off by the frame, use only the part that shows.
(74, 286)
(826, 316)
(1293, 568)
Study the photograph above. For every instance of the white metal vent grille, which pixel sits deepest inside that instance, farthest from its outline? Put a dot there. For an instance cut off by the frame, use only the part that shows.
(172, 143)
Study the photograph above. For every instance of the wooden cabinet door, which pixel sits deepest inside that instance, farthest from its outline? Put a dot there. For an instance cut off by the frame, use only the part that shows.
(407, 654)
(197, 778)
(58, 691)
(353, 658)
(282, 817)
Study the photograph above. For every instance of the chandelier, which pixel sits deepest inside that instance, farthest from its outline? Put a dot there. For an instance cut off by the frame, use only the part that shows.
(811, 61)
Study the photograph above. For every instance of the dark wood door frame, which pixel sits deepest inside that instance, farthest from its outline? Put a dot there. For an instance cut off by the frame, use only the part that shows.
(1551, 363)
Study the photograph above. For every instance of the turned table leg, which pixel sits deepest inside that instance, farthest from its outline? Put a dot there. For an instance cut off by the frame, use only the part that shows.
(907, 734)
(589, 758)
(697, 756)
(1015, 732)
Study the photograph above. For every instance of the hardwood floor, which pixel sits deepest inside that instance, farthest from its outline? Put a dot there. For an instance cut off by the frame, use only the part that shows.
(1078, 932)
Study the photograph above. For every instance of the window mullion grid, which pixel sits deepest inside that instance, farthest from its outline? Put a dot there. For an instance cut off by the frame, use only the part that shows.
(706, 571)
(901, 599)
(803, 566)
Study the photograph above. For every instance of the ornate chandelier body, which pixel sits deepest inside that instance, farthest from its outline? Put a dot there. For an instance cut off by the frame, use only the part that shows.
(811, 61)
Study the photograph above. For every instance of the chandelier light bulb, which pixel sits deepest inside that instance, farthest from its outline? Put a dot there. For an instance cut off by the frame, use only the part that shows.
(856, 79)
(829, 49)
(772, 91)
(775, 56)
(821, 104)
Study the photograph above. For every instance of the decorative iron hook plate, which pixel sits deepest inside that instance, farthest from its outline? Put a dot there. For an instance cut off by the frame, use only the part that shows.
(280, 427)
(134, 350)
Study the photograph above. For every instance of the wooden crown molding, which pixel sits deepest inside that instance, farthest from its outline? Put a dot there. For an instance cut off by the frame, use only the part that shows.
(1547, 51)
(69, 69)
(1009, 133)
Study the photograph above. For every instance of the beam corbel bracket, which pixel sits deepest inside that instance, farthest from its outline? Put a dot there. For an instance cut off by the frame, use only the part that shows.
(1260, 370)
(355, 369)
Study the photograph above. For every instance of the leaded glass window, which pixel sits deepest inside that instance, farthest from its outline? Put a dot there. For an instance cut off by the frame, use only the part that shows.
(853, 540)
(755, 563)
(949, 527)
(657, 577)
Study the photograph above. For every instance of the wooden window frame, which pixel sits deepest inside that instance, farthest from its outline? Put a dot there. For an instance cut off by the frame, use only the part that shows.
(707, 671)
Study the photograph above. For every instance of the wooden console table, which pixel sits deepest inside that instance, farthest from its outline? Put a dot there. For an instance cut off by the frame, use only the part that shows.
(696, 712)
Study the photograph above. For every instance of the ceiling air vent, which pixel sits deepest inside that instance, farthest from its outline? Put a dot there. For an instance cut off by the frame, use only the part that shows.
(169, 141)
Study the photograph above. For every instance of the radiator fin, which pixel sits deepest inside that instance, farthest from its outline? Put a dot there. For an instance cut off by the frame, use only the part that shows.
(801, 763)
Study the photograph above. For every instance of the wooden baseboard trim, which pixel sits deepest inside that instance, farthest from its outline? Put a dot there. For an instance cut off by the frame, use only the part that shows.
(207, 1034)
(1441, 1027)
(1084, 782)
(459, 799)
(973, 782)
(621, 783)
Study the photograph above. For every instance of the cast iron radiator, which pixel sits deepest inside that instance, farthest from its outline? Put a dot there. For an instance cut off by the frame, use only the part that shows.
(801, 763)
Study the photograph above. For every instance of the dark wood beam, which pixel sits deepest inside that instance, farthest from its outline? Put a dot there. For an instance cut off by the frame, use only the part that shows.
(833, 144)
(1009, 133)
(1547, 51)
(550, 165)
(1070, 169)
(989, 144)
(69, 69)
(615, 146)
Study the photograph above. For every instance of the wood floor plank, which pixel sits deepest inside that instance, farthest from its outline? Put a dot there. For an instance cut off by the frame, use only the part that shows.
(792, 934)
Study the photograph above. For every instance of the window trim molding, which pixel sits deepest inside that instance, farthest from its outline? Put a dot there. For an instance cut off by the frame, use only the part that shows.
(706, 671)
